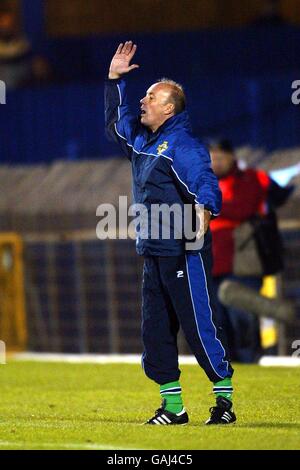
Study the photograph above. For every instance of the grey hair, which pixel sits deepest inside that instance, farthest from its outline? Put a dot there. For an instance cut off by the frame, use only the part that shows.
(177, 94)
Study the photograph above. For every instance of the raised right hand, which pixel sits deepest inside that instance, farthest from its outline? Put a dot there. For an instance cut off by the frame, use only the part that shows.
(120, 63)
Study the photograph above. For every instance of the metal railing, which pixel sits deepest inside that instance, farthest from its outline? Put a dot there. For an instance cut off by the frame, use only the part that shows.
(84, 295)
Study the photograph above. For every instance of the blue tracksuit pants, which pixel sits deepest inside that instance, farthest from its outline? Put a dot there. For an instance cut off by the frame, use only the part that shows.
(177, 292)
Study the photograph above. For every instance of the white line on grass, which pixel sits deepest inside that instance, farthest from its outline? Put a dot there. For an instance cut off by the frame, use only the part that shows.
(267, 361)
(55, 445)
(90, 358)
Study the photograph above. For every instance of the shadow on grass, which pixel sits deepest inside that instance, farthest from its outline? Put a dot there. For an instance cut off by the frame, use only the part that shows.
(287, 426)
(100, 419)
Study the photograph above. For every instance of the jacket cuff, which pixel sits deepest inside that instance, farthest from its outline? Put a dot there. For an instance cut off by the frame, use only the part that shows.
(209, 209)
(113, 81)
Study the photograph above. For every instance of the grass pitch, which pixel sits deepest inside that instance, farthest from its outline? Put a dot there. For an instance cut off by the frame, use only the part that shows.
(90, 406)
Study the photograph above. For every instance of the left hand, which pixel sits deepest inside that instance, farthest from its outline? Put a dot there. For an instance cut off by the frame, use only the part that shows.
(203, 217)
(120, 63)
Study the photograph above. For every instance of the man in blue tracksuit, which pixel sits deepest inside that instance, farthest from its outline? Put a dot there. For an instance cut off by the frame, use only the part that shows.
(169, 166)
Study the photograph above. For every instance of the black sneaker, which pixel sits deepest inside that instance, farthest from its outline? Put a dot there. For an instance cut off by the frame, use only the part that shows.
(221, 414)
(162, 416)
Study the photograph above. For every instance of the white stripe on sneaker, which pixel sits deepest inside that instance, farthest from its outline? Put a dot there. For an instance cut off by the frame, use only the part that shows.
(225, 419)
(166, 418)
(155, 421)
(161, 420)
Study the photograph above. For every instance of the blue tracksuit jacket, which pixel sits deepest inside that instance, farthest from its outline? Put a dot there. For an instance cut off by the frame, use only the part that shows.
(168, 166)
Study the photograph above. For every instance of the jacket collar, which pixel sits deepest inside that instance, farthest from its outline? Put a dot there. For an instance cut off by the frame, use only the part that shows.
(180, 121)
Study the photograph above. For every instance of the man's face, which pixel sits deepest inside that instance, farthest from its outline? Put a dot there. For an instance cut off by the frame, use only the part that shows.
(222, 162)
(156, 107)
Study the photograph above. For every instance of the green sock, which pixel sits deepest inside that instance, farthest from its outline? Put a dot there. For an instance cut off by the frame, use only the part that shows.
(171, 392)
(223, 388)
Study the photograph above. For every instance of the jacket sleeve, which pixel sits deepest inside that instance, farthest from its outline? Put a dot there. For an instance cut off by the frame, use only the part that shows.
(192, 168)
(278, 195)
(120, 125)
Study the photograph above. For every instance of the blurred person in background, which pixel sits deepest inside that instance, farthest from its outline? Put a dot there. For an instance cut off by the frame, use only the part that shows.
(18, 65)
(249, 196)
(171, 167)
